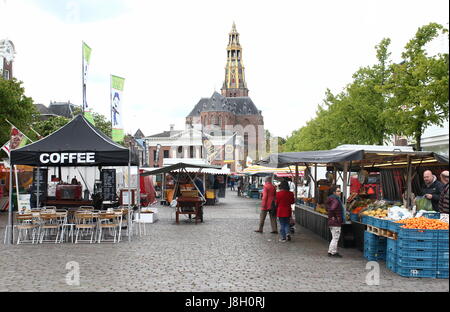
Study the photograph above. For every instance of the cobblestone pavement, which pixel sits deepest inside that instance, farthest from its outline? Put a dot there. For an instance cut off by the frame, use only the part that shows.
(222, 254)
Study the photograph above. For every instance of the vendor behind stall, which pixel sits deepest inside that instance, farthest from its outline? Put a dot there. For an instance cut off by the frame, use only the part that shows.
(432, 189)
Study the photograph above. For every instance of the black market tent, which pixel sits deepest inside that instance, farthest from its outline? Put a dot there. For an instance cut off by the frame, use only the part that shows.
(78, 143)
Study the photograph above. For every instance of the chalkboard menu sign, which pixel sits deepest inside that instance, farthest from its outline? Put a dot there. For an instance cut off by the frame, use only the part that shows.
(43, 183)
(108, 178)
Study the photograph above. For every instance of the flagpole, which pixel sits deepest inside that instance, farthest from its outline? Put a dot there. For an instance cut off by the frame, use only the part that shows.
(82, 76)
(39, 136)
(18, 129)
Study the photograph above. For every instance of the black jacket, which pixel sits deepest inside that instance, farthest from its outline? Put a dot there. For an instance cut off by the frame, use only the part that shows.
(434, 189)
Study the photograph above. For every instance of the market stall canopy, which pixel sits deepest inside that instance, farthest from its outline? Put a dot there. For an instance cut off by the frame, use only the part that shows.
(78, 143)
(382, 158)
(186, 166)
(281, 160)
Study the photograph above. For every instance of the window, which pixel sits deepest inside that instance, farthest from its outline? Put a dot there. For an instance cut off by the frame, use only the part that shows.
(154, 156)
(6, 74)
(180, 151)
(166, 153)
(191, 152)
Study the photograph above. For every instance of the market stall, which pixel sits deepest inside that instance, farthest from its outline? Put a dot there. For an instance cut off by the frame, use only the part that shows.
(187, 193)
(311, 212)
(77, 144)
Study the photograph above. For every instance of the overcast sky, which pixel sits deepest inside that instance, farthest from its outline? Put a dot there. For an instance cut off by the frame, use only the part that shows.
(172, 53)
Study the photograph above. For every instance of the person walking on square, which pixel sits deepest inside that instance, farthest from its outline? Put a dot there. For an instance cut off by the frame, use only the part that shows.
(284, 199)
(268, 199)
(335, 219)
(443, 200)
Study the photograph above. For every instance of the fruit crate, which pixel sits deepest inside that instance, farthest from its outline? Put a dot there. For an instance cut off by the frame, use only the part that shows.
(411, 262)
(442, 254)
(442, 264)
(431, 215)
(354, 217)
(420, 234)
(391, 245)
(364, 219)
(391, 260)
(417, 253)
(369, 220)
(392, 226)
(416, 272)
(374, 256)
(442, 273)
(373, 240)
(429, 244)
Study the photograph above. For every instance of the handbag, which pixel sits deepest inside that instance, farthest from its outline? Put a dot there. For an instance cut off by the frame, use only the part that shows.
(273, 209)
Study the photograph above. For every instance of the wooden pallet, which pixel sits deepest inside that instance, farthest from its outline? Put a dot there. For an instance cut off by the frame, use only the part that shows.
(381, 232)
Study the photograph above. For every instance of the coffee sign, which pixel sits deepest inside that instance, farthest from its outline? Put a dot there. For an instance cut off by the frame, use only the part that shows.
(67, 158)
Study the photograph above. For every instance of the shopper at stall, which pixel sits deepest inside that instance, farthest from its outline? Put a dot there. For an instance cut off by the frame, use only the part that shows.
(443, 199)
(433, 189)
(268, 199)
(335, 219)
(284, 199)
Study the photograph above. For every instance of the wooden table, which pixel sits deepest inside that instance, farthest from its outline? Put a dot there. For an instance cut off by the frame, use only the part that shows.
(190, 206)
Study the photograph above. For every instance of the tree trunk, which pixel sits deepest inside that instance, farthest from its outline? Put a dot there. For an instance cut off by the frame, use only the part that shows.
(418, 137)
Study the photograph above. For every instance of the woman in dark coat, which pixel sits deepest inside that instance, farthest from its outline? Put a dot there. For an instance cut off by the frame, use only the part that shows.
(335, 219)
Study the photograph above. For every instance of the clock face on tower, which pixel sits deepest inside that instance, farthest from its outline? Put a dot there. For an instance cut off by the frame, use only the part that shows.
(7, 50)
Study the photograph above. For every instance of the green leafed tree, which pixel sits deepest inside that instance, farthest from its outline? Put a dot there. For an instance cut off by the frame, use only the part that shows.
(418, 87)
(16, 107)
(353, 116)
(52, 124)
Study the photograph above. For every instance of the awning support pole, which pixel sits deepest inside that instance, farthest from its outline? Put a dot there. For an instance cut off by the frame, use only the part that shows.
(9, 233)
(408, 193)
(345, 186)
(316, 187)
(296, 182)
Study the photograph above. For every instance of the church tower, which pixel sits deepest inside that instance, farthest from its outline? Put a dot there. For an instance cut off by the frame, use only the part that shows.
(234, 84)
(7, 52)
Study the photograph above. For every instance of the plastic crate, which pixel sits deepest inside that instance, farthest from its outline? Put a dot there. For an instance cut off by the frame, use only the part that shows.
(391, 245)
(354, 217)
(375, 257)
(442, 273)
(442, 264)
(374, 237)
(431, 215)
(411, 262)
(382, 223)
(418, 253)
(419, 234)
(431, 244)
(442, 254)
(416, 272)
(369, 220)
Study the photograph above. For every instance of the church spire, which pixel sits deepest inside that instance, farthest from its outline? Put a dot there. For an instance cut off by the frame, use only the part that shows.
(234, 84)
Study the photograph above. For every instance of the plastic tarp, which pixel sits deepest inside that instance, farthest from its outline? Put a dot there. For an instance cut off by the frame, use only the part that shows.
(280, 160)
(186, 166)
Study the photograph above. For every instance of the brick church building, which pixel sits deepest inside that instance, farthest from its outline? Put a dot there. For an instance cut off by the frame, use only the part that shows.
(232, 110)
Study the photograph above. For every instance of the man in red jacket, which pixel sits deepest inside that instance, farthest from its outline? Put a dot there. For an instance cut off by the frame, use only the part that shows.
(268, 197)
(285, 199)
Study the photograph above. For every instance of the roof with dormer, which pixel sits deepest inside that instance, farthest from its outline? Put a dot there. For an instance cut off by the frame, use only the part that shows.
(218, 103)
